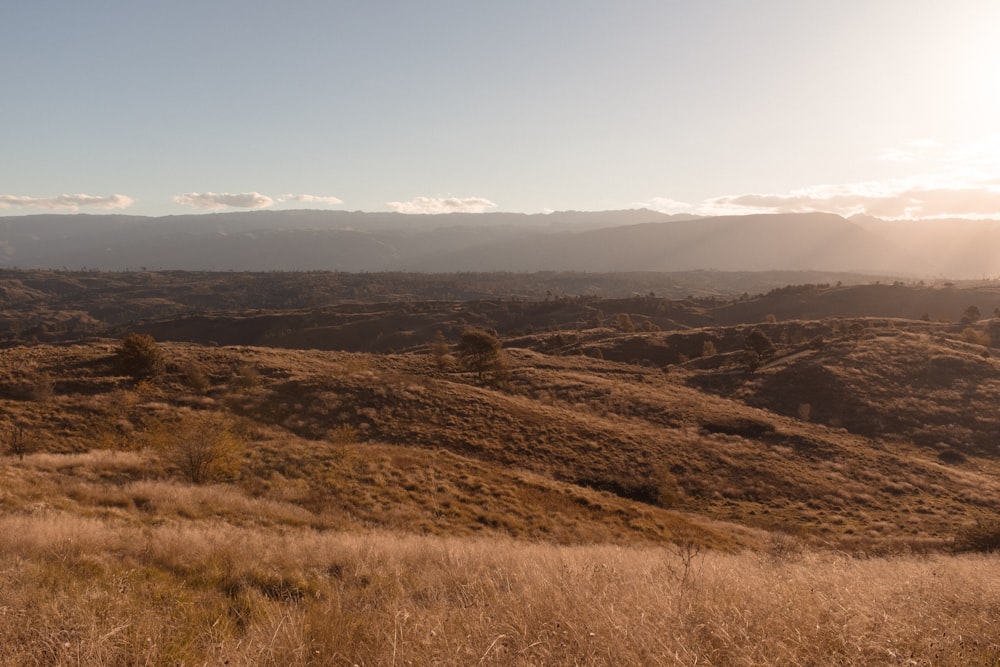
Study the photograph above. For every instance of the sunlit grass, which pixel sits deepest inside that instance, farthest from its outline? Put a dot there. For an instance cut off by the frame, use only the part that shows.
(96, 591)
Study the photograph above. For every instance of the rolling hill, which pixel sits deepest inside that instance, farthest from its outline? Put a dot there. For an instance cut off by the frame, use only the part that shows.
(318, 485)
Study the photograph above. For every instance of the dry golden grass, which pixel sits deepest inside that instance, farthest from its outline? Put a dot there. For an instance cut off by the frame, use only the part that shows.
(291, 483)
(105, 592)
(386, 511)
(432, 451)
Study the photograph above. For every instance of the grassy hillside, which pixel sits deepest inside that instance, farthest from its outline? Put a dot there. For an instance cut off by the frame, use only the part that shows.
(832, 444)
(609, 495)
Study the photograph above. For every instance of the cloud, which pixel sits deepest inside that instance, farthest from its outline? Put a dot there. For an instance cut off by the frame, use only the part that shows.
(896, 199)
(217, 200)
(311, 199)
(910, 151)
(665, 205)
(432, 205)
(68, 202)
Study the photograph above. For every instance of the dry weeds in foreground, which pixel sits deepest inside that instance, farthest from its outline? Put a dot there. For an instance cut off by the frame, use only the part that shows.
(85, 591)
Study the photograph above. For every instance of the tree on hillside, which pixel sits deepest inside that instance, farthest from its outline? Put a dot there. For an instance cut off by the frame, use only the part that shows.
(758, 342)
(972, 313)
(480, 351)
(856, 330)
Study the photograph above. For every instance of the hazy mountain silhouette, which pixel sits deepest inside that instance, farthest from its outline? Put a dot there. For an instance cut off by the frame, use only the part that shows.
(952, 247)
(631, 240)
(818, 241)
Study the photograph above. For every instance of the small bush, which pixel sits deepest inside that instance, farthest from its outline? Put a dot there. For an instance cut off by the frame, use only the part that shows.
(952, 456)
(245, 376)
(983, 537)
(623, 322)
(343, 435)
(440, 352)
(42, 387)
(196, 377)
(140, 357)
(18, 441)
(201, 446)
(975, 336)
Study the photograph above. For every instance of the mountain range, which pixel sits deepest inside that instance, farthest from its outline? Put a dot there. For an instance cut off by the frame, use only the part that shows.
(627, 240)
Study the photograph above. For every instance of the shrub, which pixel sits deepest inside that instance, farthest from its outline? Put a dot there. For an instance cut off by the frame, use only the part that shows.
(983, 536)
(708, 349)
(140, 357)
(42, 387)
(976, 337)
(245, 376)
(952, 456)
(750, 360)
(623, 322)
(343, 435)
(196, 377)
(201, 446)
(440, 352)
(18, 442)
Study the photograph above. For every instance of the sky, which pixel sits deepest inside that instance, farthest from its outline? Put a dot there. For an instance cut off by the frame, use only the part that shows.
(883, 107)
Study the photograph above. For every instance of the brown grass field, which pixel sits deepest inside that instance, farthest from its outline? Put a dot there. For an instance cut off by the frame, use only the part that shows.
(610, 498)
(116, 591)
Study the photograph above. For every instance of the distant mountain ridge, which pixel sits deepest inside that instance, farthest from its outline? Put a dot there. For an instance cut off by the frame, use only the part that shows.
(628, 240)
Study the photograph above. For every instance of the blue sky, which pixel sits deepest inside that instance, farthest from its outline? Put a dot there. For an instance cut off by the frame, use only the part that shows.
(154, 108)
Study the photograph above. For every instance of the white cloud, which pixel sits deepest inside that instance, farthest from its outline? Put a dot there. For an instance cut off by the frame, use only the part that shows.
(311, 199)
(910, 151)
(217, 200)
(432, 205)
(917, 197)
(68, 202)
(665, 205)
